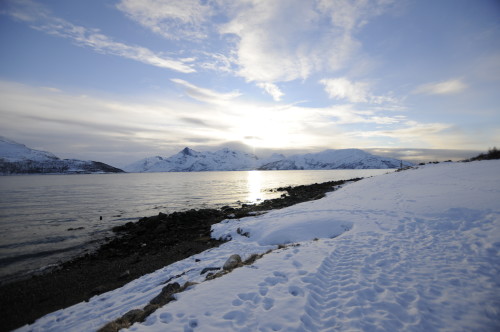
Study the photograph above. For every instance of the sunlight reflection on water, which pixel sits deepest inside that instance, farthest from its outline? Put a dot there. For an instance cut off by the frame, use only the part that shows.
(255, 188)
(46, 218)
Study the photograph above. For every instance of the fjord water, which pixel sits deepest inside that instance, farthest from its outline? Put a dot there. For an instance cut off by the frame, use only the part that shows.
(46, 219)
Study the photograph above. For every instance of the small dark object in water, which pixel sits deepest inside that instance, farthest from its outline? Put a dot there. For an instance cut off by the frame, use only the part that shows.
(100, 218)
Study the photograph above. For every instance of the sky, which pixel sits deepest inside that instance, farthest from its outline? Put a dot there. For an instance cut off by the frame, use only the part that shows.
(121, 80)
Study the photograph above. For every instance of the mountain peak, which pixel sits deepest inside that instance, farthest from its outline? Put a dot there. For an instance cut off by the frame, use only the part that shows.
(17, 158)
(187, 151)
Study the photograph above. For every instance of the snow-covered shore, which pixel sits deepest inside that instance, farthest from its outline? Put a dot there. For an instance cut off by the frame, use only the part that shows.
(417, 251)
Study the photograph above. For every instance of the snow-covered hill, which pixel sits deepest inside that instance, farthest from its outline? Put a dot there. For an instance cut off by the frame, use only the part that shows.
(335, 159)
(16, 158)
(189, 160)
(13, 152)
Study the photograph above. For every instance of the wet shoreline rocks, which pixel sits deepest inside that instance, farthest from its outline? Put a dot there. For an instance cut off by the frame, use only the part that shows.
(137, 249)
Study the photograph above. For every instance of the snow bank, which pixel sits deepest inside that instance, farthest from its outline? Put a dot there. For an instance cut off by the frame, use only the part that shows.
(411, 251)
(282, 227)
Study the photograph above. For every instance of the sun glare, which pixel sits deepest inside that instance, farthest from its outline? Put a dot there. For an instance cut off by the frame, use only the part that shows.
(254, 186)
(267, 128)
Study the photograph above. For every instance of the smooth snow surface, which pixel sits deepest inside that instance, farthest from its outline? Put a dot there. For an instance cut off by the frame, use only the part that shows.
(417, 250)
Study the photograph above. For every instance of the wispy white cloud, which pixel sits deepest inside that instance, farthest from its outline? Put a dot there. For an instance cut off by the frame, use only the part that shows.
(452, 86)
(415, 129)
(420, 155)
(206, 95)
(174, 19)
(218, 62)
(342, 88)
(271, 89)
(284, 40)
(348, 114)
(355, 92)
(269, 41)
(41, 19)
(412, 134)
(273, 41)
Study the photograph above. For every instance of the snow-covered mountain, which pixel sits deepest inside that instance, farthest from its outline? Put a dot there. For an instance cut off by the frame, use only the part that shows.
(335, 159)
(189, 160)
(16, 158)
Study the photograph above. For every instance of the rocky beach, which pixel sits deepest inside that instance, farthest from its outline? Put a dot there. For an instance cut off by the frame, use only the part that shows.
(137, 249)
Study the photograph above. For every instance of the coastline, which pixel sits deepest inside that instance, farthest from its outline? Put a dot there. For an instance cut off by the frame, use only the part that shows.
(137, 249)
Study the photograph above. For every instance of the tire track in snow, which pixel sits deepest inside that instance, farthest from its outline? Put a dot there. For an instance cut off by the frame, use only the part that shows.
(330, 288)
(401, 280)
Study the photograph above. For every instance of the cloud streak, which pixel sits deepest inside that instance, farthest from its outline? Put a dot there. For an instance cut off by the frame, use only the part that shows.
(271, 89)
(355, 92)
(206, 95)
(41, 19)
(341, 88)
(281, 41)
(448, 87)
(175, 19)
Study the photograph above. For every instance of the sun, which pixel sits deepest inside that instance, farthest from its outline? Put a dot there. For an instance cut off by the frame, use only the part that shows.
(261, 129)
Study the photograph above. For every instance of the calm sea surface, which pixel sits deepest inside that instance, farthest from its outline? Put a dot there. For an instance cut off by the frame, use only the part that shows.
(45, 219)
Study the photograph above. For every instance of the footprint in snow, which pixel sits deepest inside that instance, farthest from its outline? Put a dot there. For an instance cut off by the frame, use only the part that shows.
(278, 277)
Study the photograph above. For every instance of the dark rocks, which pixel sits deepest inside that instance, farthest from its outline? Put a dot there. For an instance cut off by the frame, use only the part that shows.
(139, 315)
(98, 290)
(250, 260)
(124, 275)
(232, 262)
(131, 317)
(134, 315)
(75, 229)
(208, 269)
(242, 233)
(166, 294)
(227, 209)
(123, 228)
(162, 228)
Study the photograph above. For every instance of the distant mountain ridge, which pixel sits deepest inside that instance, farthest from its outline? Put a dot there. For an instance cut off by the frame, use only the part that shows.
(16, 158)
(335, 159)
(188, 160)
